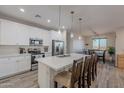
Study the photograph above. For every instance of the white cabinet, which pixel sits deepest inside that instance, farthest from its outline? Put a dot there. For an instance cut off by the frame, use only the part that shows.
(38, 33)
(7, 66)
(23, 63)
(23, 38)
(12, 33)
(9, 33)
(46, 38)
(13, 65)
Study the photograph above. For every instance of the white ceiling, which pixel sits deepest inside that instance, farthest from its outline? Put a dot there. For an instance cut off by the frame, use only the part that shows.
(101, 19)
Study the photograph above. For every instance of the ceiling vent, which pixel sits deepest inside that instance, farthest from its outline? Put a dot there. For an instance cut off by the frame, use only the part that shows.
(37, 16)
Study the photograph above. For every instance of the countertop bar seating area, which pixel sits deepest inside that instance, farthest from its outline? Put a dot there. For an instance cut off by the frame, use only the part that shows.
(55, 70)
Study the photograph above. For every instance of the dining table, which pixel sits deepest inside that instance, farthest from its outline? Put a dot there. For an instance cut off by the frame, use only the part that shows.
(48, 67)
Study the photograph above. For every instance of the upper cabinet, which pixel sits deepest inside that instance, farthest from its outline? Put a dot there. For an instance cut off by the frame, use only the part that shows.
(12, 33)
(38, 33)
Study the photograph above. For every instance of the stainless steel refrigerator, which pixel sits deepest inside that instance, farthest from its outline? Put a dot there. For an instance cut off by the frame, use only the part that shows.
(57, 47)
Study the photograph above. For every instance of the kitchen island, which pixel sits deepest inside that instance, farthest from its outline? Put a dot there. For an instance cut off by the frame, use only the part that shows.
(48, 67)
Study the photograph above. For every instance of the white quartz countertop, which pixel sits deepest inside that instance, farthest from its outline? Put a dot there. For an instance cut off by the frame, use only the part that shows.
(13, 55)
(58, 63)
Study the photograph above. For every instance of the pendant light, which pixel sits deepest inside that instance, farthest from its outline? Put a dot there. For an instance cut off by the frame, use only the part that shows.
(72, 35)
(59, 29)
(80, 28)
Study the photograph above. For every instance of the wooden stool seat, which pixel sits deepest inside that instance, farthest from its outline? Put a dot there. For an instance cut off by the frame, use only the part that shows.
(63, 78)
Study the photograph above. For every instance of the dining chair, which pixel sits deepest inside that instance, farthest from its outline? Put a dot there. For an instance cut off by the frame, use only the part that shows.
(102, 55)
(90, 52)
(70, 79)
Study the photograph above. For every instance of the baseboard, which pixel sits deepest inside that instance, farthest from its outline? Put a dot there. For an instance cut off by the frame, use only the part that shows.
(12, 75)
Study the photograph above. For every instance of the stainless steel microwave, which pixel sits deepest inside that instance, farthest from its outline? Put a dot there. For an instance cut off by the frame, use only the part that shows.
(36, 41)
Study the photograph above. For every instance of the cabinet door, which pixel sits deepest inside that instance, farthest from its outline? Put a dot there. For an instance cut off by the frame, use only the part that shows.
(7, 67)
(9, 33)
(26, 63)
(23, 63)
(120, 61)
(13, 33)
(23, 38)
(46, 38)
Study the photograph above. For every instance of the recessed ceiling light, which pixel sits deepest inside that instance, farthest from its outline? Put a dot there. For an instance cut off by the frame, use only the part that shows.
(22, 10)
(48, 20)
(63, 27)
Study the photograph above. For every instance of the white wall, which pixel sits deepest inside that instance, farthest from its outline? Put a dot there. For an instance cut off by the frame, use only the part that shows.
(120, 42)
(74, 44)
(8, 50)
(78, 45)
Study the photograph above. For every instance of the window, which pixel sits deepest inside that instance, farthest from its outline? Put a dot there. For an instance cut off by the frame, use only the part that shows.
(99, 43)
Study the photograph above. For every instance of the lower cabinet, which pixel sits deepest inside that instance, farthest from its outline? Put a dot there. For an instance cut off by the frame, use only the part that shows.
(13, 65)
(7, 67)
(23, 64)
(120, 60)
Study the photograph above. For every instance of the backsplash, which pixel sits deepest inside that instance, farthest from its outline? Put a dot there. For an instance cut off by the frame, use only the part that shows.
(14, 49)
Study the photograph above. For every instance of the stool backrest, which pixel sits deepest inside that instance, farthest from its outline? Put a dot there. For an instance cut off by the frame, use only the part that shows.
(76, 72)
(91, 62)
(86, 64)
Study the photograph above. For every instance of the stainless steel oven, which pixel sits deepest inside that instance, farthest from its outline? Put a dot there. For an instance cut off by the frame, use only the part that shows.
(35, 53)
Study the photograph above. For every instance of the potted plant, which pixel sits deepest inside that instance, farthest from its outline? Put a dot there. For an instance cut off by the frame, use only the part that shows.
(111, 51)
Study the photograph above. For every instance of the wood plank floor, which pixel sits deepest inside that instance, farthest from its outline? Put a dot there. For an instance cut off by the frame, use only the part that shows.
(26, 80)
(108, 77)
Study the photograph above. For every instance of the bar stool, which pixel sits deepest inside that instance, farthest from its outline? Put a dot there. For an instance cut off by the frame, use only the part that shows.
(85, 74)
(70, 79)
(96, 61)
(94, 67)
(90, 69)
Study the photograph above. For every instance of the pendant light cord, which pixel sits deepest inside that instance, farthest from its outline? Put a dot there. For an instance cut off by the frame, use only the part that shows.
(80, 19)
(59, 16)
(72, 12)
